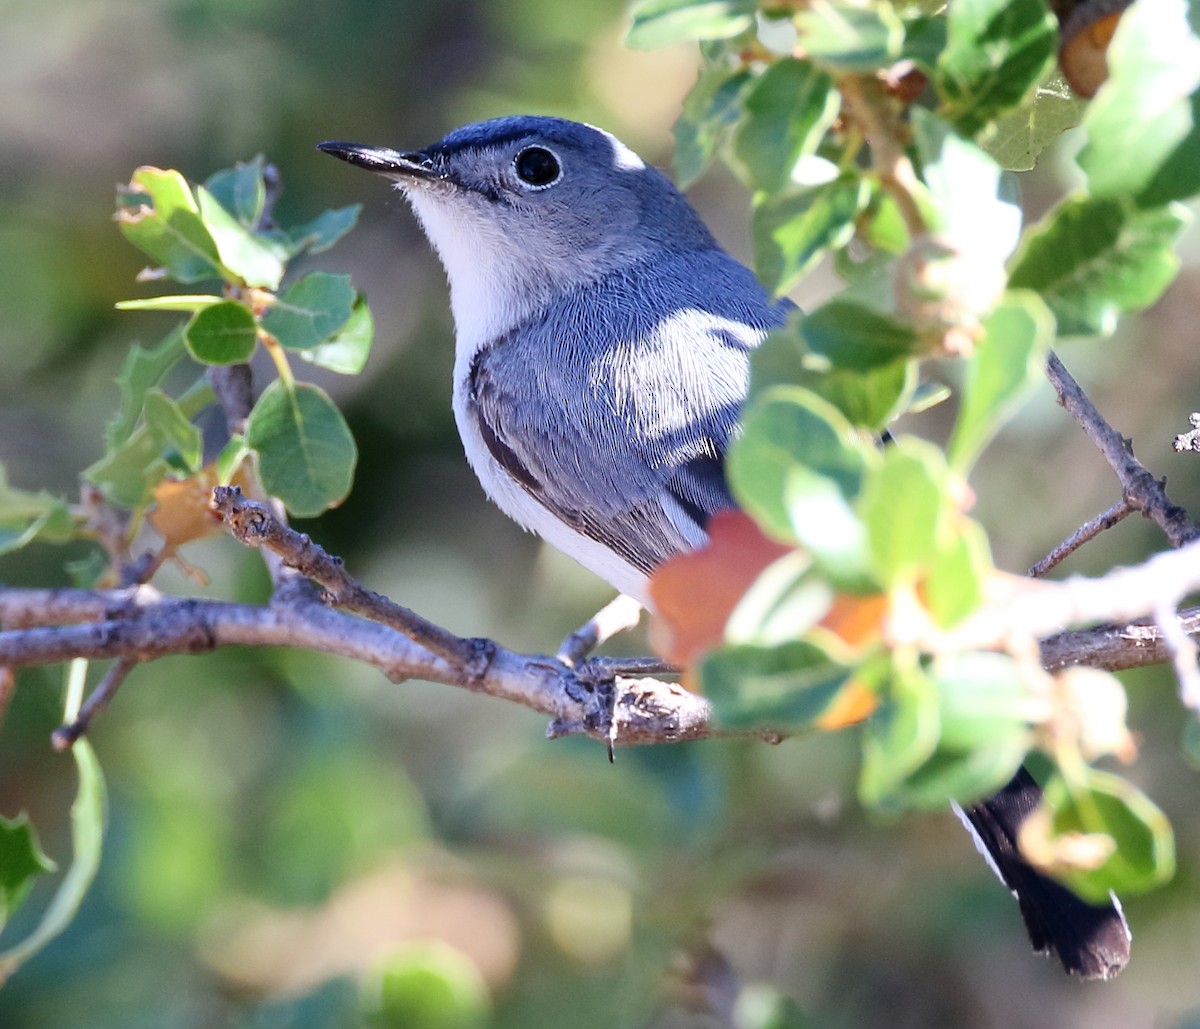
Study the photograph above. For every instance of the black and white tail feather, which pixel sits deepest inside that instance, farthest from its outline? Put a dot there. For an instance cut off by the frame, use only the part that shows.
(1091, 940)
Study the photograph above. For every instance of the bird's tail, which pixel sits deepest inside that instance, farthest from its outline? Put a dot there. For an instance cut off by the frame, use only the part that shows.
(1091, 940)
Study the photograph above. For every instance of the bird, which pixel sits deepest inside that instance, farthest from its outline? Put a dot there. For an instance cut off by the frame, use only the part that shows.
(602, 348)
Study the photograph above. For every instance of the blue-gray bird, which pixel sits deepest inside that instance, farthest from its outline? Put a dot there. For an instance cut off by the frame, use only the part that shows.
(602, 355)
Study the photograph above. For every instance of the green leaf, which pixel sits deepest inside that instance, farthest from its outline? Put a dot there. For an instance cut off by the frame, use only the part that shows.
(1005, 367)
(1143, 127)
(322, 232)
(1017, 138)
(26, 516)
(786, 687)
(347, 352)
(243, 254)
(173, 303)
(903, 503)
(162, 219)
(241, 190)
(984, 698)
(850, 335)
(1092, 259)
(21, 861)
(870, 399)
(786, 429)
(924, 41)
(129, 470)
(792, 231)
(711, 108)
(961, 775)
(848, 39)
(787, 112)
(87, 836)
(661, 22)
(430, 984)
(143, 369)
(310, 311)
(996, 51)
(223, 333)
(867, 398)
(956, 584)
(305, 450)
(899, 738)
(1103, 803)
(172, 428)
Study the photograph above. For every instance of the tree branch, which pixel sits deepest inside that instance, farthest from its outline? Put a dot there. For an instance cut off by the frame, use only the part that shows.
(1087, 531)
(1143, 491)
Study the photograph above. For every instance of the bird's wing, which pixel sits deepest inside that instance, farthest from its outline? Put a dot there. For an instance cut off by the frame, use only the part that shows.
(614, 409)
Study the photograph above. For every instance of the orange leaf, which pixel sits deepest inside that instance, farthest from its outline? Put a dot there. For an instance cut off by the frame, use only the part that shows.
(695, 593)
(854, 703)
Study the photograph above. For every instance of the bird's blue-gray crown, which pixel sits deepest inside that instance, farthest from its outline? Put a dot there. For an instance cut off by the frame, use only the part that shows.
(569, 201)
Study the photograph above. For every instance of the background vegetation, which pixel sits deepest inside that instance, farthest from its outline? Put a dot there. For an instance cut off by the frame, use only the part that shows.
(280, 823)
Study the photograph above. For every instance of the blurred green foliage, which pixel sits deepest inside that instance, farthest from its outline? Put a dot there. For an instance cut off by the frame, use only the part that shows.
(291, 837)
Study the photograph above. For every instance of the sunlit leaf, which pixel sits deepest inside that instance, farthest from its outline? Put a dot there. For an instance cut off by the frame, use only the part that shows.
(1143, 128)
(784, 429)
(792, 231)
(347, 352)
(160, 216)
(661, 22)
(1103, 804)
(848, 38)
(242, 253)
(1004, 368)
(1093, 259)
(1016, 139)
(996, 51)
(787, 111)
(903, 503)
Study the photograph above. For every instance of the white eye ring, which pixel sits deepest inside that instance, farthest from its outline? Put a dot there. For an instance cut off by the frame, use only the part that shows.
(537, 166)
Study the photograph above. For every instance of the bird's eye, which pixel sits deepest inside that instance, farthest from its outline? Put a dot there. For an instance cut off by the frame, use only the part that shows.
(537, 167)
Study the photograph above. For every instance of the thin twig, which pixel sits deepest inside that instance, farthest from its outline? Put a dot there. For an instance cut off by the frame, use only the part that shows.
(872, 110)
(256, 525)
(64, 736)
(1087, 531)
(1139, 487)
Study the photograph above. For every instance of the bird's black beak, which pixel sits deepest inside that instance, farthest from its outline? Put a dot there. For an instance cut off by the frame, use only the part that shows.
(383, 160)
